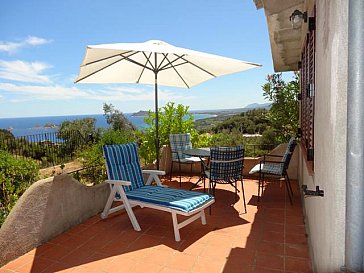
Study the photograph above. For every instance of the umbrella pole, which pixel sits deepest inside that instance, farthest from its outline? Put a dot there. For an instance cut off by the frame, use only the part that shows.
(156, 117)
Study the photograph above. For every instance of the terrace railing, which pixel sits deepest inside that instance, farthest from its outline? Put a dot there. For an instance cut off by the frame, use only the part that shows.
(48, 149)
(256, 150)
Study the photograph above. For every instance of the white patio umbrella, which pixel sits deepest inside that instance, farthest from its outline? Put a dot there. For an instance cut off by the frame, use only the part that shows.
(154, 62)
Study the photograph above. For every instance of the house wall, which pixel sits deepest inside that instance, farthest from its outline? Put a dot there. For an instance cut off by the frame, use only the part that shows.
(325, 216)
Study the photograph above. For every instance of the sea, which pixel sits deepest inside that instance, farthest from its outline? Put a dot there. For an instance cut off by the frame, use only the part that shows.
(36, 125)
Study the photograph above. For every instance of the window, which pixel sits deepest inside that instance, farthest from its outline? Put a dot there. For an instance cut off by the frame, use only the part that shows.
(308, 93)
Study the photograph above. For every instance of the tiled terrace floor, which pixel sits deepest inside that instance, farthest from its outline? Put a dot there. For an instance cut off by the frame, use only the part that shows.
(270, 237)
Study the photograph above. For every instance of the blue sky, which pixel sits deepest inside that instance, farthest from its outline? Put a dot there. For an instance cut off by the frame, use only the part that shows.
(42, 44)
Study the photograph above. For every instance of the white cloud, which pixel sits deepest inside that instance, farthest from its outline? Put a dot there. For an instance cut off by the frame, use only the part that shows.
(34, 41)
(12, 47)
(57, 92)
(24, 71)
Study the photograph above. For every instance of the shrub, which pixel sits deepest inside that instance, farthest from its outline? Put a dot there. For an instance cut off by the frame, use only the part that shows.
(16, 175)
(92, 158)
(172, 120)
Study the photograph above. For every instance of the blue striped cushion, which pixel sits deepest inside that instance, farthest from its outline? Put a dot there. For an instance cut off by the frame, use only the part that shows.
(182, 200)
(179, 143)
(123, 164)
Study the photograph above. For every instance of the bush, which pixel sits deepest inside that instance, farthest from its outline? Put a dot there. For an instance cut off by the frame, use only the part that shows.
(92, 158)
(173, 120)
(16, 175)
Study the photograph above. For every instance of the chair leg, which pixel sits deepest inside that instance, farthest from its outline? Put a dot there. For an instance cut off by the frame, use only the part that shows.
(243, 193)
(203, 217)
(260, 177)
(109, 202)
(289, 184)
(129, 210)
(170, 177)
(177, 236)
(180, 175)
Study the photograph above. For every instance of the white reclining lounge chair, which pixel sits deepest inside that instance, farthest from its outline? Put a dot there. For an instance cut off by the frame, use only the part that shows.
(125, 177)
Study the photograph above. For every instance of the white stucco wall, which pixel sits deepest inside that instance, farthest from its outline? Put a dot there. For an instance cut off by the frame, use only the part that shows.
(325, 216)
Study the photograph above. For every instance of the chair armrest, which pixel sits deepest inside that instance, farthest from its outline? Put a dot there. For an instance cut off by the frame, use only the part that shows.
(154, 176)
(119, 182)
(157, 172)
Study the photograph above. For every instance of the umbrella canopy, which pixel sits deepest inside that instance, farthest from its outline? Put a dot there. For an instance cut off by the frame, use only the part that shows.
(154, 62)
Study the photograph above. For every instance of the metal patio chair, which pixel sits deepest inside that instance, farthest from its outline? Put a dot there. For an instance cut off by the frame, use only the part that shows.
(276, 165)
(226, 167)
(180, 143)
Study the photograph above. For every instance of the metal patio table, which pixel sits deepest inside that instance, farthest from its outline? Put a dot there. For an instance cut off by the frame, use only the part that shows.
(201, 153)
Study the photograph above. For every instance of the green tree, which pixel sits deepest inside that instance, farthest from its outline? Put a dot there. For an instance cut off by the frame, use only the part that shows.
(116, 118)
(172, 120)
(283, 114)
(84, 127)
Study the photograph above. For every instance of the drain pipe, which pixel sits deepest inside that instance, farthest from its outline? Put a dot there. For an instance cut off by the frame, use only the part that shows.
(354, 227)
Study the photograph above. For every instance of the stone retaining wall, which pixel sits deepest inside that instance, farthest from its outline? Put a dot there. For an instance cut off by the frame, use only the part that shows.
(48, 208)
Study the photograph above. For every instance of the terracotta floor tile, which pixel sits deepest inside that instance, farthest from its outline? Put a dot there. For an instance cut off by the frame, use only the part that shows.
(299, 265)
(120, 264)
(268, 247)
(294, 220)
(295, 229)
(231, 241)
(182, 261)
(295, 239)
(269, 261)
(56, 253)
(42, 249)
(192, 249)
(172, 270)
(158, 257)
(19, 262)
(208, 265)
(143, 267)
(272, 236)
(5, 271)
(157, 230)
(57, 267)
(77, 257)
(276, 227)
(300, 250)
(99, 261)
(266, 270)
(215, 251)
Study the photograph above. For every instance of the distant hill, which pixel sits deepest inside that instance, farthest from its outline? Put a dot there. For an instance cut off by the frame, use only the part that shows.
(258, 106)
(220, 111)
(235, 110)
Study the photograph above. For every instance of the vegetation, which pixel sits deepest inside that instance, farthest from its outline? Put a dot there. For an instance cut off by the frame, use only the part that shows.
(116, 119)
(283, 114)
(16, 175)
(92, 158)
(82, 138)
(172, 120)
(86, 127)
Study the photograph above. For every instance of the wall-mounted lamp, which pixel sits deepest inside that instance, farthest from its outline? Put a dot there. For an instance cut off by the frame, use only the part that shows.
(297, 17)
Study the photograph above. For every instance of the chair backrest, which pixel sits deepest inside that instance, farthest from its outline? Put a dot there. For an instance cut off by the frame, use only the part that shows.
(288, 154)
(122, 163)
(226, 164)
(179, 143)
